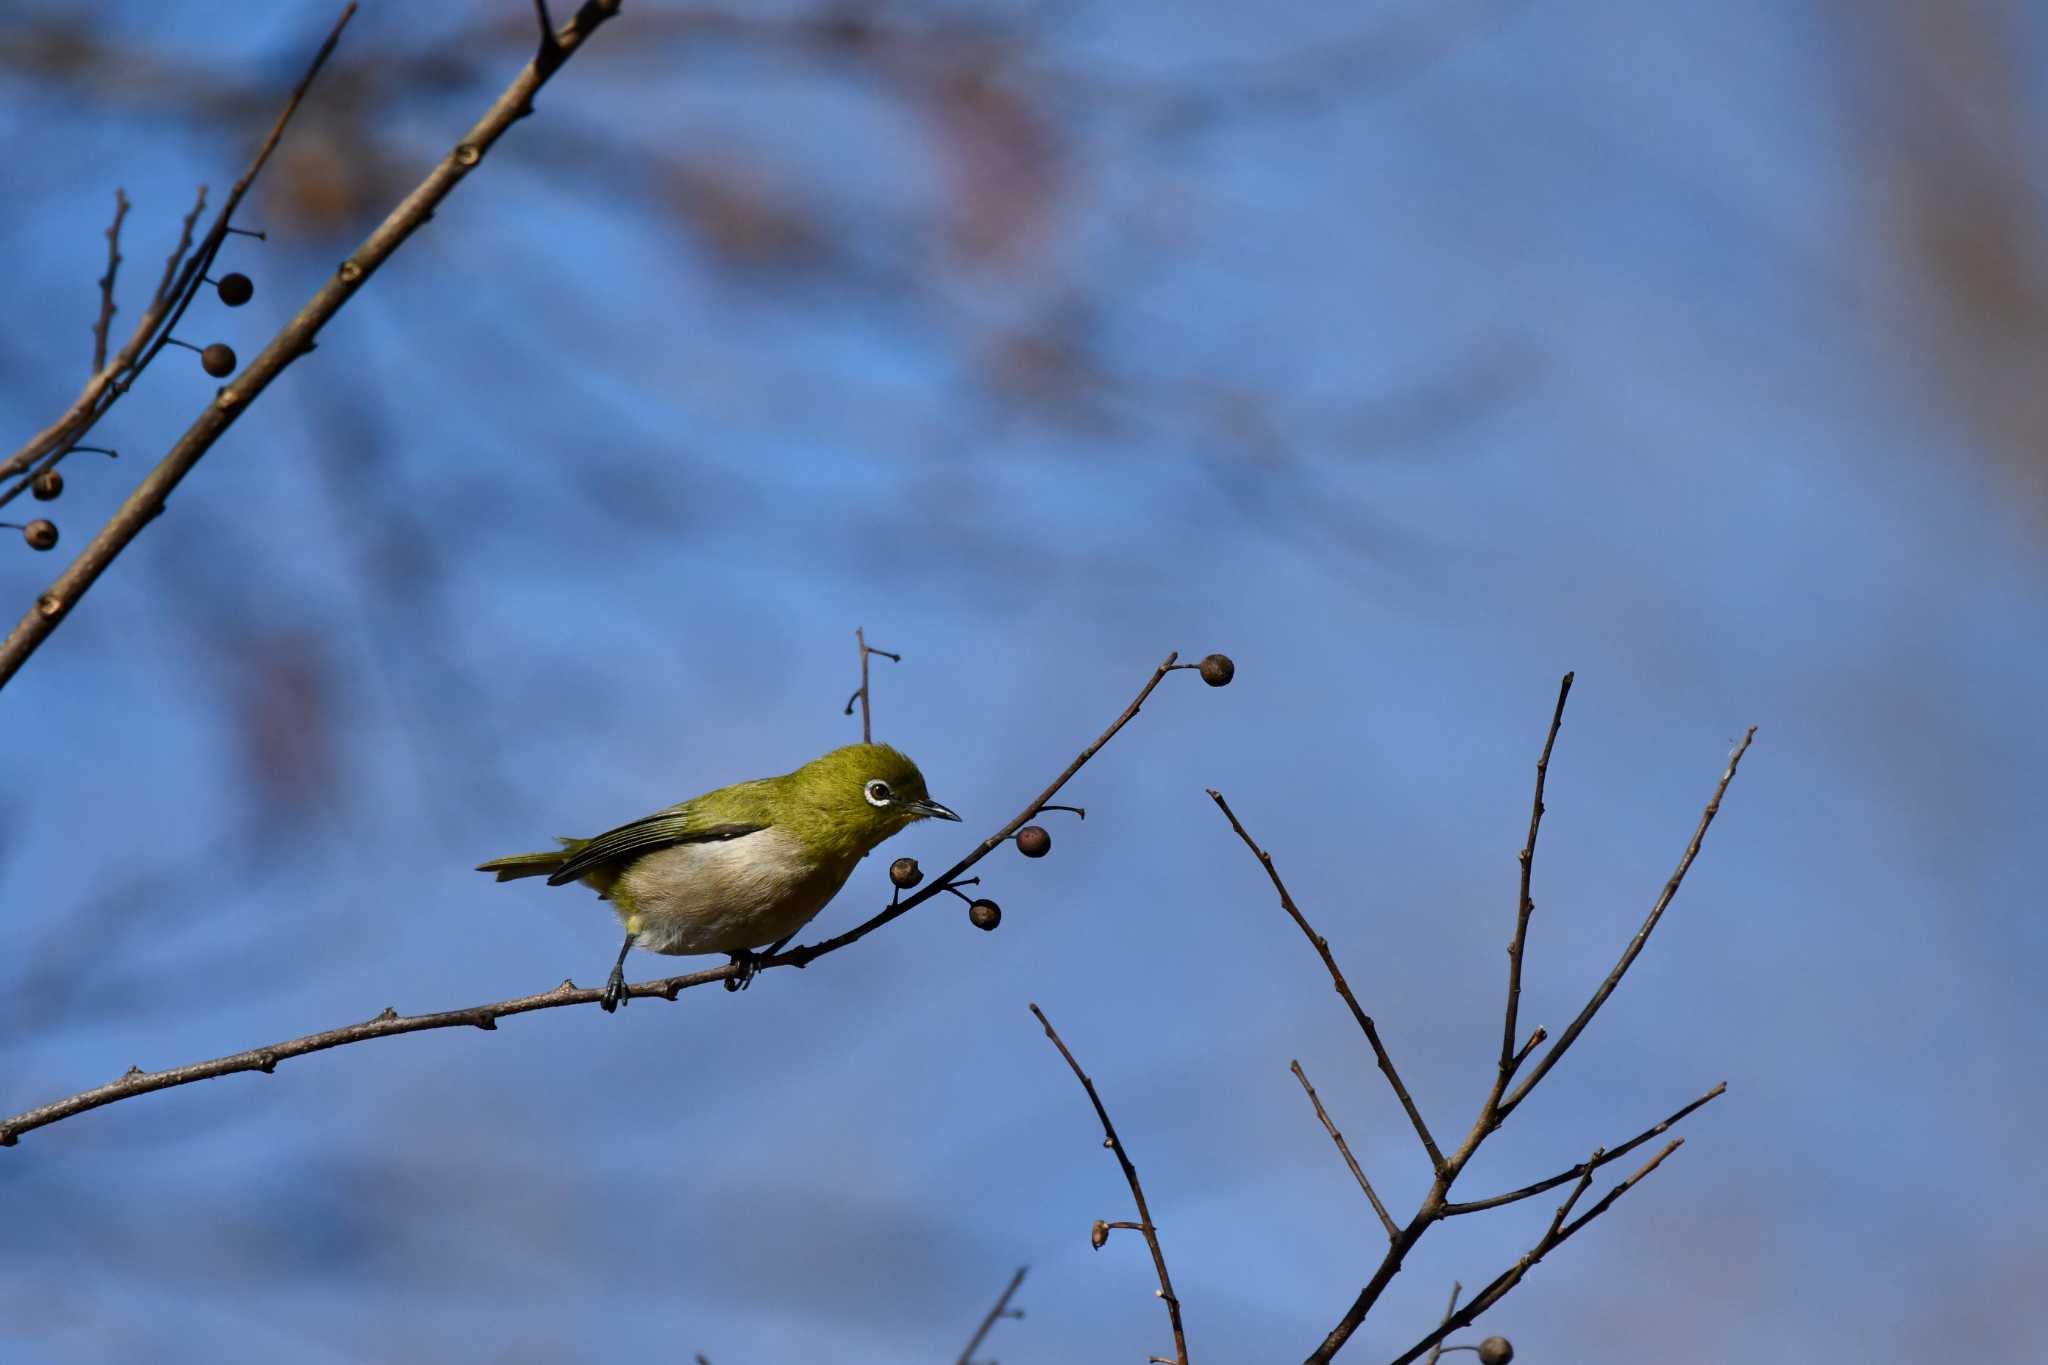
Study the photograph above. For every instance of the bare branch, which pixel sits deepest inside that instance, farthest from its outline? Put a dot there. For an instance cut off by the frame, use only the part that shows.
(1322, 947)
(106, 318)
(1635, 945)
(1612, 1154)
(860, 694)
(1386, 1221)
(294, 340)
(1524, 905)
(138, 1082)
(1115, 1144)
(1001, 1310)
(1554, 1236)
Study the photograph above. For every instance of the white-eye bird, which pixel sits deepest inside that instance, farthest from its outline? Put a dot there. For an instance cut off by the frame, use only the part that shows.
(742, 866)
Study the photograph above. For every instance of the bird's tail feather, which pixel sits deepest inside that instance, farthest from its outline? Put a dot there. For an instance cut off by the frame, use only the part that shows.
(531, 864)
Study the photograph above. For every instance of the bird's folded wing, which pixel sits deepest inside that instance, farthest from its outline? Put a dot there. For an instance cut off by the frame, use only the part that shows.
(660, 830)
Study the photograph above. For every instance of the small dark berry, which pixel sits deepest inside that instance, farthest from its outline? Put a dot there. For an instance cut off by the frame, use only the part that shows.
(984, 914)
(42, 535)
(235, 290)
(1033, 841)
(218, 360)
(904, 872)
(47, 485)
(1217, 670)
(1495, 1351)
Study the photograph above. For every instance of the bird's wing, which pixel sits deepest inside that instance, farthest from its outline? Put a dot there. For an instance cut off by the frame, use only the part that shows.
(660, 830)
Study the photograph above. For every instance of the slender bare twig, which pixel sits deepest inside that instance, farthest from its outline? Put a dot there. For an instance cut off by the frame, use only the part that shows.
(106, 318)
(1635, 945)
(1524, 906)
(1554, 1236)
(1452, 1210)
(1146, 1226)
(138, 1082)
(860, 694)
(1436, 1351)
(1386, 1221)
(1000, 1311)
(1436, 1204)
(298, 335)
(1322, 947)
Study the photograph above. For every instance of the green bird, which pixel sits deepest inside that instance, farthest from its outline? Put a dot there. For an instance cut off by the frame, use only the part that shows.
(741, 866)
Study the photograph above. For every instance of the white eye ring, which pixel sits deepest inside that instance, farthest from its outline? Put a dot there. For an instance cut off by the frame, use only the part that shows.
(877, 792)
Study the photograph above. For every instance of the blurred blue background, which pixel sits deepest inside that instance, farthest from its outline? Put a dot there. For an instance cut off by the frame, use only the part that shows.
(1412, 353)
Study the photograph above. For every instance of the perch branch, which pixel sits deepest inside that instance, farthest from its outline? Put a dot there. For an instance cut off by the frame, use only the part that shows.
(106, 318)
(139, 1082)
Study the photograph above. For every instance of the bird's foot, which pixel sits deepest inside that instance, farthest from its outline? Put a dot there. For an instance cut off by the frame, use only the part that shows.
(748, 963)
(615, 992)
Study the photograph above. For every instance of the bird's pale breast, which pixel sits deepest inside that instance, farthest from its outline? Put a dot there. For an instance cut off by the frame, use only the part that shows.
(722, 897)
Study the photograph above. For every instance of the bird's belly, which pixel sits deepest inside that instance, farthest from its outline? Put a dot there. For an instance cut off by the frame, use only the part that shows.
(722, 897)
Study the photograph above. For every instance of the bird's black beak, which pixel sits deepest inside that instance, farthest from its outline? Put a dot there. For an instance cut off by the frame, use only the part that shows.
(931, 808)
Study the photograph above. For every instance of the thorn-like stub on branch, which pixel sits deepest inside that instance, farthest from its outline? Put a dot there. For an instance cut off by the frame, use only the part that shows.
(351, 273)
(1217, 670)
(466, 154)
(485, 1020)
(7, 1137)
(226, 400)
(1033, 841)
(49, 605)
(46, 485)
(266, 1062)
(905, 873)
(131, 1072)
(984, 914)
(1098, 1236)
(1496, 1351)
(235, 289)
(385, 1016)
(568, 987)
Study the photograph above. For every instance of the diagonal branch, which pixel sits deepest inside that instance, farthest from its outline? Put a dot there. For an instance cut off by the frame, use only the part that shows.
(1115, 1144)
(1386, 1221)
(1635, 945)
(1322, 947)
(295, 339)
(995, 1314)
(1584, 1168)
(1553, 1237)
(265, 1059)
(1436, 1351)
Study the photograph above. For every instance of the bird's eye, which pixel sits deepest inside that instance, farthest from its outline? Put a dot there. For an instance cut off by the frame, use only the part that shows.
(877, 793)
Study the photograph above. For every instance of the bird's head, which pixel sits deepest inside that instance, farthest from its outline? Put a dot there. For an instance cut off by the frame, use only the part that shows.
(864, 793)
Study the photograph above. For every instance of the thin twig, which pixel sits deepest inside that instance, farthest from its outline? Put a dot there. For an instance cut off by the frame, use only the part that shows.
(1635, 945)
(295, 339)
(1322, 947)
(1151, 1232)
(860, 694)
(1553, 1237)
(1001, 1310)
(138, 1082)
(1524, 906)
(1386, 1221)
(106, 318)
(1583, 1168)
(1436, 1351)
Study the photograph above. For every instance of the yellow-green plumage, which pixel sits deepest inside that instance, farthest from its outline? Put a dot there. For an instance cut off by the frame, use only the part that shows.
(744, 865)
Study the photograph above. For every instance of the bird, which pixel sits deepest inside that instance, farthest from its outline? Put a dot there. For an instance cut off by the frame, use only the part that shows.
(741, 866)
